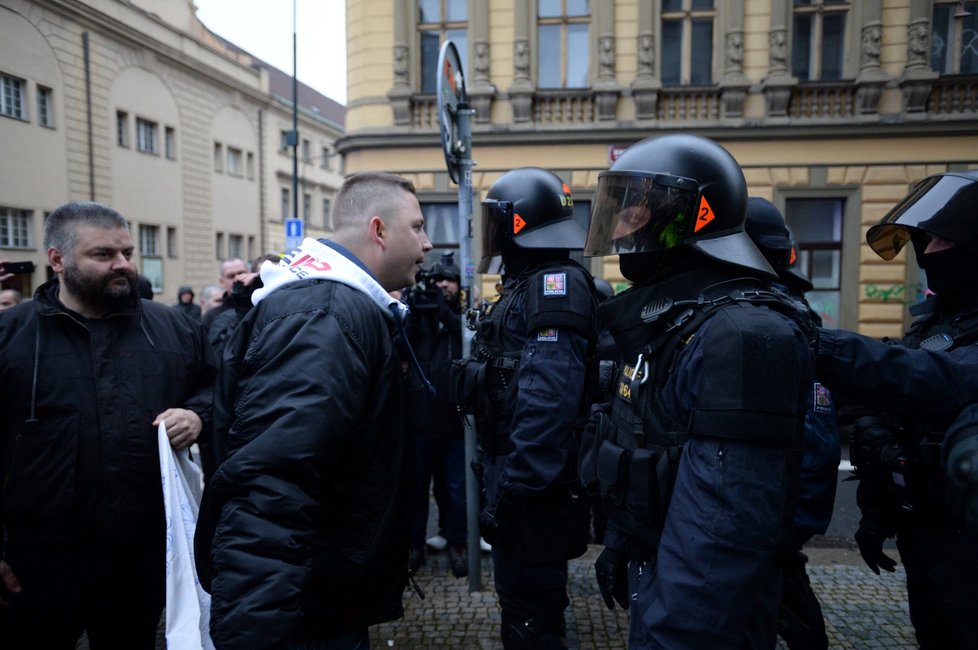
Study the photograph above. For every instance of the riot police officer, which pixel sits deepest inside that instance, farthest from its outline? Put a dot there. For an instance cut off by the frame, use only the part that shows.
(800, 621)
(526, 385)
(703, 440)
(918, 385)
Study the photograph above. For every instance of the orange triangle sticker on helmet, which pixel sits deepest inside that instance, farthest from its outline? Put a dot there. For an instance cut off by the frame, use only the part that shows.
(518, 223)
(792, 256)
(704, 215)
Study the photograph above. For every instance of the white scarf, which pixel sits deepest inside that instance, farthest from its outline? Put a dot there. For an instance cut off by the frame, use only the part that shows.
(313, 259)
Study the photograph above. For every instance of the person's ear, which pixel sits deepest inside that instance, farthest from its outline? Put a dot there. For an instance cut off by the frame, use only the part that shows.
(377, 231)
(56, 260)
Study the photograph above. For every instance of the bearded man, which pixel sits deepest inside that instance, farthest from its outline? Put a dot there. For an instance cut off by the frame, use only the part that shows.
(88, 371)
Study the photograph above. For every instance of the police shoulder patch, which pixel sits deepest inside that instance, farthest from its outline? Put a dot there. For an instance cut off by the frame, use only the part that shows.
(549, 334)
(555, 284)
(823, 399)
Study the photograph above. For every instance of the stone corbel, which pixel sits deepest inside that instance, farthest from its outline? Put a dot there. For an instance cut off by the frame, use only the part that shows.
(917, 78)
(646, 87)
(400, 94)
(606, 88)
(734, 84)
(779, 83)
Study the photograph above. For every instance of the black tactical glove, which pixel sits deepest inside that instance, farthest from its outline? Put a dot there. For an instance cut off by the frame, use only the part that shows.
(611, 570)
(495, 519)
(867, 440)
(870, 541)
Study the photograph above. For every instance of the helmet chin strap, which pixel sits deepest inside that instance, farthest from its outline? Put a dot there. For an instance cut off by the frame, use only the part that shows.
(516, 259)
(645, 268)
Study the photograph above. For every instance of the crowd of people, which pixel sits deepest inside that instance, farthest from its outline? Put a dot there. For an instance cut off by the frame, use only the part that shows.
(690, 424)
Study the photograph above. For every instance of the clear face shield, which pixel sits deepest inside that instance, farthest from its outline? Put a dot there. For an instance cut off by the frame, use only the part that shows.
(933, 206)
(635, 212)
(497, 223)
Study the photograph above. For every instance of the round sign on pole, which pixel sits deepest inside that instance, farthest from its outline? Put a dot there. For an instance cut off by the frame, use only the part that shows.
(451, 94)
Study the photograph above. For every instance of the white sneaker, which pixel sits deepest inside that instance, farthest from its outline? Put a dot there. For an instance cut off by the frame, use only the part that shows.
(437, 543)
(484, 546)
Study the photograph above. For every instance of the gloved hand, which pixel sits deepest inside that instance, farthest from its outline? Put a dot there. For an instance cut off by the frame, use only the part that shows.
(870, 541)
(495, 519)
(867, 440)
(611, 569)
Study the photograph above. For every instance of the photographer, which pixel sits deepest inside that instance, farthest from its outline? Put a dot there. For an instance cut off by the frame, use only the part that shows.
(435, 332)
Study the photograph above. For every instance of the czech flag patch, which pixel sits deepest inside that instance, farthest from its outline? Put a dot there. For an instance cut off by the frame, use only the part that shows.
(555, 284)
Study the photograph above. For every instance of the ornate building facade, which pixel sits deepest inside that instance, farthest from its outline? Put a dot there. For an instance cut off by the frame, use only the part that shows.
(137, 105)
(834, 108)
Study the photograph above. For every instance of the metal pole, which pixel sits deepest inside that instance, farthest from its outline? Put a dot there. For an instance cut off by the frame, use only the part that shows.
(464, 121)
(295, 119)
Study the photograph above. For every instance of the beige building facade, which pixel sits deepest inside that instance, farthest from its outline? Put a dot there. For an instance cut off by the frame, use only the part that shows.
(834, 109)
(137, 105)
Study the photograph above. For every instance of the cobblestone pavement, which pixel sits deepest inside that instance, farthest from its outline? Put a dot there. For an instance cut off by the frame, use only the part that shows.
(861, 609)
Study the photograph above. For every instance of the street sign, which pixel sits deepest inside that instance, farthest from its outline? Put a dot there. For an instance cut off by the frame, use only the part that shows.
(293, 234)
(451, 93)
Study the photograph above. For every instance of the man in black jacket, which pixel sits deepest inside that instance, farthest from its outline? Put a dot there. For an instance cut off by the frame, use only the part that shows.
(88, 371)
(303, 533)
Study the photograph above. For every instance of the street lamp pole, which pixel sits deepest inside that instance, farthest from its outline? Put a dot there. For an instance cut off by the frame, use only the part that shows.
(294, 136)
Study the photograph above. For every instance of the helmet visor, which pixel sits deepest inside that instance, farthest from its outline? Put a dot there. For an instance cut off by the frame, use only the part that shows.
(641, 213)
(497, 226)
(931, 207)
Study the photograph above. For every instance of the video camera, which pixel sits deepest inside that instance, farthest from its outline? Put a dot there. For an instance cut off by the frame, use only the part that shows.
(425, 295)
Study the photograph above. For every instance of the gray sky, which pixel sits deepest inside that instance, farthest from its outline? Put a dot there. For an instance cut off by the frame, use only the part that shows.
(264, 28)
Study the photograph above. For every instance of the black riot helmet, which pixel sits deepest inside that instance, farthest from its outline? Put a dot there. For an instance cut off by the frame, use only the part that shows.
(766, 227)
(945, 205)
(530, 208)
(672, 191)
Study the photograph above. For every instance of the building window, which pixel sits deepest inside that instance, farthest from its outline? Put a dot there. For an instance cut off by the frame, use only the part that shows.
(286, 203)
(306, 150)
(306, 206)
(45, 107)
(687, 42)
(326, 208)
(12, 97)
(250, 165)
(235, 166)
(284, 141)
(954, 43)
(817, 226)
(324, 161)
(122, 128)
(15, 228)
(171, 242)
(251, 247)
(146, 136)
(818, 35)
(562, 43)
(440, 20)
(170, 143)
(236, 246)
(219, 246)
(149, 237)
(218, 157)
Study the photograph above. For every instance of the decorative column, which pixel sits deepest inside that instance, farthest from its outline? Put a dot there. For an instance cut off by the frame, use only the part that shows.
(871, 79)
(606, 86)
(480, 90)
(917, 77)
(400, 93)
(778, 83)
(734, 83)
(521, 91)
(646, 86)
